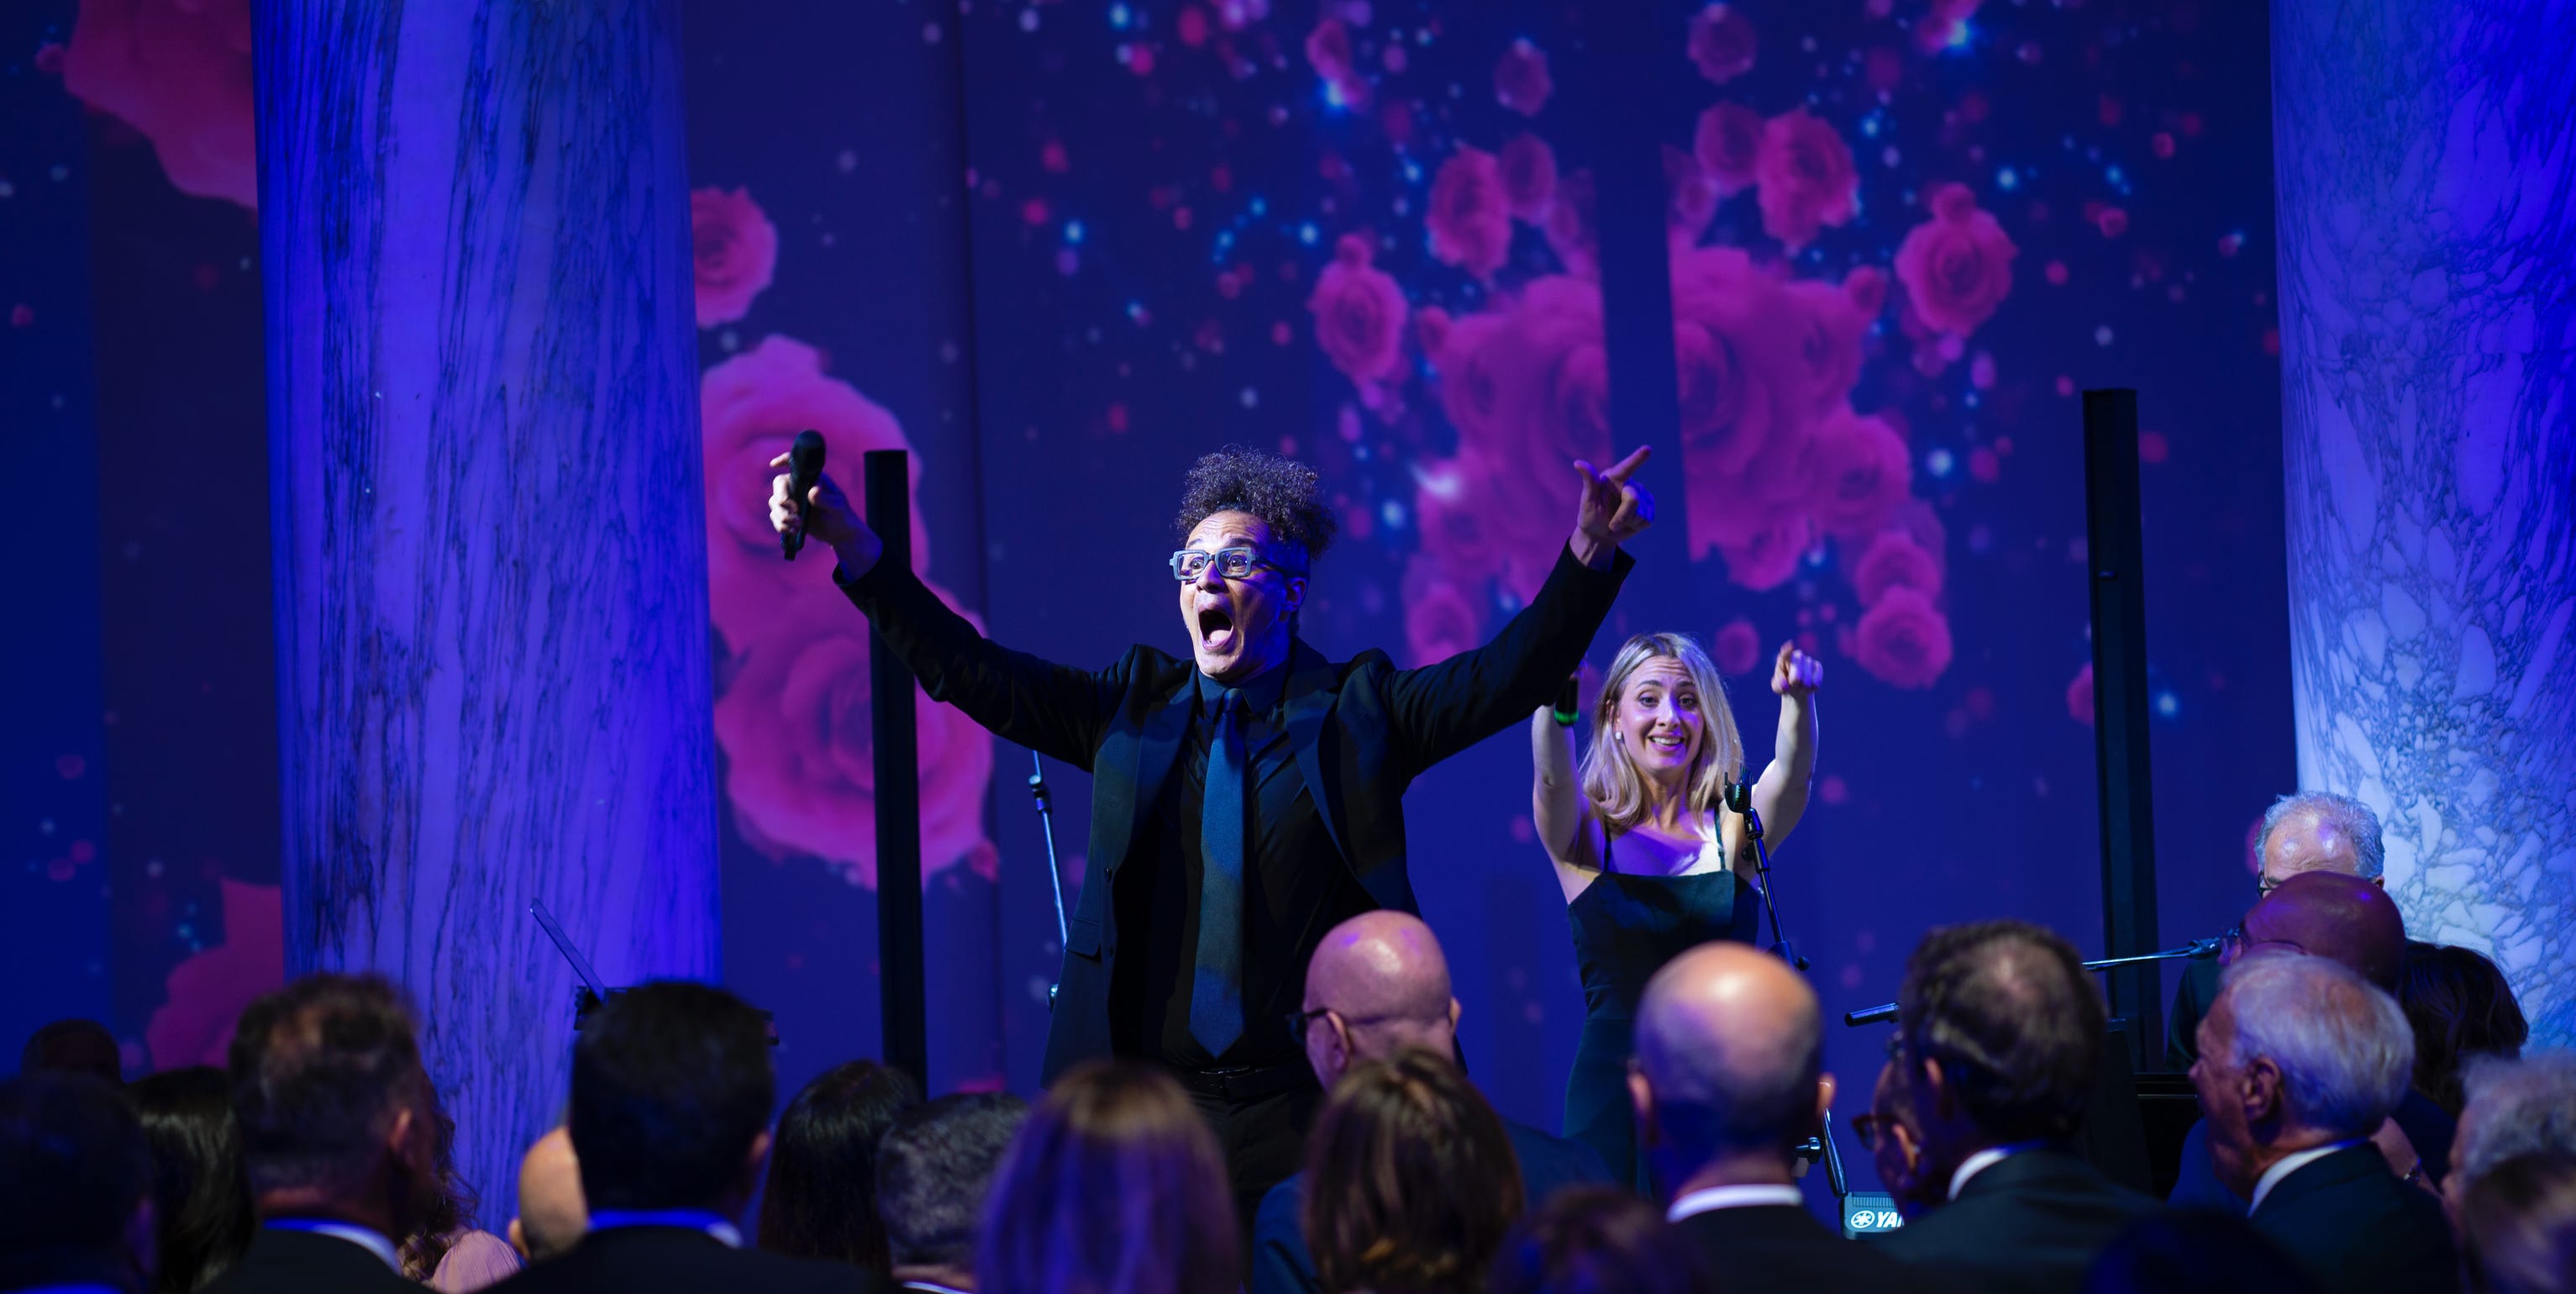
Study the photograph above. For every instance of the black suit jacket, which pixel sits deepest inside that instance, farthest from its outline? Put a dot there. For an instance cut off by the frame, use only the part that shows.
(2031, 1224)
(676, 1260)
(1782, 1249)
(2359, 1230)
(292, 1262)
(1362, 730)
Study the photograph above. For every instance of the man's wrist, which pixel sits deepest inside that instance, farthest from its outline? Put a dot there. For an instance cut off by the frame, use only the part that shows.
(1591, 552)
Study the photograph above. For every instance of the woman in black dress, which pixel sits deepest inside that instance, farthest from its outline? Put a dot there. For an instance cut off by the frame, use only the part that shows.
(1651, 860)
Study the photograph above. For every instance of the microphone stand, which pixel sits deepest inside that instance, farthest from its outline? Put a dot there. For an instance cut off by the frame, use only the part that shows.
(1055, 873)
(2193, 951)
(1739, 797)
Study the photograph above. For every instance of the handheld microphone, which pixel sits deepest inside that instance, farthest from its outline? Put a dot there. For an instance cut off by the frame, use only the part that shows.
(805, 471)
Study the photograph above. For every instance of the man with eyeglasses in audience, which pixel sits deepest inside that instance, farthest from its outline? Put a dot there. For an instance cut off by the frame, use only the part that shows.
(2311, 831)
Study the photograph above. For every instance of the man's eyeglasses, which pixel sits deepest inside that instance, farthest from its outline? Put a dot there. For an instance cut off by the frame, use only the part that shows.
(2264, 885)
(1870, 1127)
(1233, 563)
(1298, 1020)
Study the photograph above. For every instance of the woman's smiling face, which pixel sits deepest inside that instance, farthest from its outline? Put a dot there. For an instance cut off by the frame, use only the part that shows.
(1660, 720)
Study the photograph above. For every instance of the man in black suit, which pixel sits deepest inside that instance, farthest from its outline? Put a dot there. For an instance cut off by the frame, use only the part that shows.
(1378, 984)
(671, 1091)
(1729, 1078)
(337, 1136)
(75, 1187)
(1998, 1044)
(1247, 799)
(2300, 1060)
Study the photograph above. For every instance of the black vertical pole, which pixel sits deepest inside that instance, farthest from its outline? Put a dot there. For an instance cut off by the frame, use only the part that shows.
(2115, 546)
(901, 985)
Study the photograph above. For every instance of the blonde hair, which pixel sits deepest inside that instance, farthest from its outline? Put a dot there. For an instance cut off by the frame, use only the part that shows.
(1610, 777)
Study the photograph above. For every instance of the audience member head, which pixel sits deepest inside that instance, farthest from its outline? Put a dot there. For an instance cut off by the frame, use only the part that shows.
(2297, 1052)
(1730, 1058)
(451, 1209)
(1378, 982)
(2515, 1107)
(1999, 1039)
(2330, 915)
(2517, 1227)
(551, 1213)
(1411, 1181)
(2460, 1006)
(933, 1172)
(334, 1107)
(75, 1185)
(1598, 1240)
(200, 1191)
(1114, 1182)
(2319, 831)
(2196, 1251)
(821, 1201)
(73, 1047)
(671, 1089)
(1895, 1148)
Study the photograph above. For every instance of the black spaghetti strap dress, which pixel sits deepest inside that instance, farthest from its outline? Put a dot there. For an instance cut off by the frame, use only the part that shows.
(1626, 926)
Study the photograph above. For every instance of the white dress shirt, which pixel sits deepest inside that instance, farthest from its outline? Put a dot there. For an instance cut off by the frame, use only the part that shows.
(1713, 1198)
(1985, 1159)
(2291, 1163)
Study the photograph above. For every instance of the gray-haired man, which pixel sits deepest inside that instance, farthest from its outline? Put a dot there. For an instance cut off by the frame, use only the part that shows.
(2301, 1060)
(2310, 831)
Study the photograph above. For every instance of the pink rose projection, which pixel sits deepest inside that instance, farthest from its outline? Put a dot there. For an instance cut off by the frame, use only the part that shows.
(1788, 473)
(1359, 314)
(1520, 79)
(735, 250)
(793, 720)
(1957, 266)
(792, 687)
(1736, 648)
(2079, 706)
(1807, 180)
(1721, 43)
(179, 72)
(1470, 219)
(208, 991)
(750, 408)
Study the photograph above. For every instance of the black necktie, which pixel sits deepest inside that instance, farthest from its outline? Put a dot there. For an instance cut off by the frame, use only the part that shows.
(1216, 989)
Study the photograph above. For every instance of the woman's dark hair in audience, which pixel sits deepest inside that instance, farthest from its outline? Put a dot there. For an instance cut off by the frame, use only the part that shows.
(2196, 1251)
(2459, 1006)
(1598, 1240)
(1411, 1182)
(200, 1191)
(821, 1199)
(1113, 1184)
(451, 1208)
(75, 1181)
(2517, 1227)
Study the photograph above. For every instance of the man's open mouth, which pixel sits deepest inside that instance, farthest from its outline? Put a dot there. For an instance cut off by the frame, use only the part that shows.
(1216, 628)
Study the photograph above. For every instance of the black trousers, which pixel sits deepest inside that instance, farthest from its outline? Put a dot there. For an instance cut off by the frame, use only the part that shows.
(1263, 1139)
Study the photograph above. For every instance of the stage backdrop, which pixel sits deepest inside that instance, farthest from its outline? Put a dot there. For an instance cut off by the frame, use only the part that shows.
(1845, 266)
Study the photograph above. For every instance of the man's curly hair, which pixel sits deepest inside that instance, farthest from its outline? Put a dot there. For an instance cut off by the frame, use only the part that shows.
(1284, 493)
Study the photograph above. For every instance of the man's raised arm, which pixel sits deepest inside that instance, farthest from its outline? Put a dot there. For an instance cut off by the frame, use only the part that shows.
(1055, 710)
(1442, 709)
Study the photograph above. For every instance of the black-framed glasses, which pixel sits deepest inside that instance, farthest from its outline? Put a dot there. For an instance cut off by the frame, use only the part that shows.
(1233, 563)
(2264, 885)
(1868, 1127)
(1298, 1020)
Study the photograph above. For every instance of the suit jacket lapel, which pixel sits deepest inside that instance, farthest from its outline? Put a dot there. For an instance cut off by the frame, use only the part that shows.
(1156, 745)
(1308, 700)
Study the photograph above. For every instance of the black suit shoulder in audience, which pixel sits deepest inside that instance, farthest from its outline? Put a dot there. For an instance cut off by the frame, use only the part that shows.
(2357, 1229)
(293, 1262)
(1782, 1249)
(2030, 1224)
(680, 1260)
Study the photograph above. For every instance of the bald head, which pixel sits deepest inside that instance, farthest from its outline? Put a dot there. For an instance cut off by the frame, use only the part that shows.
(1729, 1048)
(551, 1212)
(2341, 918)
(1382, 977)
